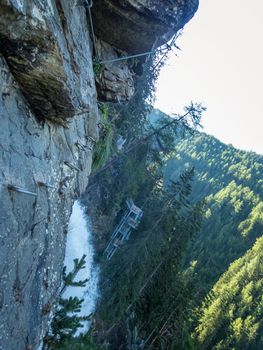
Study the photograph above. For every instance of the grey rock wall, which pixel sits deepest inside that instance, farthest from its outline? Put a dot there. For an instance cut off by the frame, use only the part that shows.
(46, 45)
(136, 25)
(126, 27)
(38, 155)
(114, 80)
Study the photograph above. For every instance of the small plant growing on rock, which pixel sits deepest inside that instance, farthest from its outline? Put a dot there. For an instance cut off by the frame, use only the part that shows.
(103, 148)
(97, 68)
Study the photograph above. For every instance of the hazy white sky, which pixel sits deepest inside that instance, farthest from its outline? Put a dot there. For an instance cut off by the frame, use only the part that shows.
(221, 65)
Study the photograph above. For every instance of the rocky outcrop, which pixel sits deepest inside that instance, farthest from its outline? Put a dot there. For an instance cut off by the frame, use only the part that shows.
(114, 80)
(132, 27)
(136, 26)
(44, 72)
(46, 46)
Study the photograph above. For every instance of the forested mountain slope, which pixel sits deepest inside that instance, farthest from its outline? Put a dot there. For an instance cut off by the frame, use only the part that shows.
(155, 283)
(231, 316)
(141, 283)
(231, 181)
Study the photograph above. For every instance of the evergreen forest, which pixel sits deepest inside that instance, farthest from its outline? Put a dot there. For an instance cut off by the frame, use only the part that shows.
(190, 275)
(225, 257)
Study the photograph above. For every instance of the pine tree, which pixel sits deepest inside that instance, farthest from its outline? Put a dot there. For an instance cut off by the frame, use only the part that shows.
(66, 320)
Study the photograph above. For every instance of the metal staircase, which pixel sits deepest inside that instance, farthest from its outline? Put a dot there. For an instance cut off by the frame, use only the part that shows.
(130, 221)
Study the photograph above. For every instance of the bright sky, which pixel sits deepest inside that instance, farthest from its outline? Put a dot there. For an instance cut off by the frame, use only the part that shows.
(221, 65)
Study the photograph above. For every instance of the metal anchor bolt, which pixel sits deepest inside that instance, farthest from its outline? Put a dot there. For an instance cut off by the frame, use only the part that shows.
(21, 190)
(74, 167)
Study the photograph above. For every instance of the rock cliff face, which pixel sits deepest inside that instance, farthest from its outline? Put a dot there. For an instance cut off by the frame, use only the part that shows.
(133, 27)
(46, 45)
(114, 80)
(136, 25)
(46, 74)
(49, 124)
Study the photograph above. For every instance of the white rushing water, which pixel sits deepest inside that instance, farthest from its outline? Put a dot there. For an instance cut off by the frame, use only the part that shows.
(79, 242)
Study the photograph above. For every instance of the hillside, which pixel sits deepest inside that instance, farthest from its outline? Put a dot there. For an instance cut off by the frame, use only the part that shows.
(231, 315)
(155, 283)
(231, 182)
(223, 258)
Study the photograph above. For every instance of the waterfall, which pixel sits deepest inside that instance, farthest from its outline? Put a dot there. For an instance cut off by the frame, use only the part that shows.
(79, 242)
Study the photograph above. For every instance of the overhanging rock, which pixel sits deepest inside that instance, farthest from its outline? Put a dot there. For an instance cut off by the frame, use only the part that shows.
(136, 25)
(45, 44)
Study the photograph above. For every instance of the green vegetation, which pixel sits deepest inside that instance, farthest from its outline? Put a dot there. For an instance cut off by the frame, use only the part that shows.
(231, 316)
(231, 182)
(154, 287)
(144, 268)
(66, 320)
(103, 148)
(97, 68)
(191, 275)
(82, 342)
(68, 278)
(154, 253)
